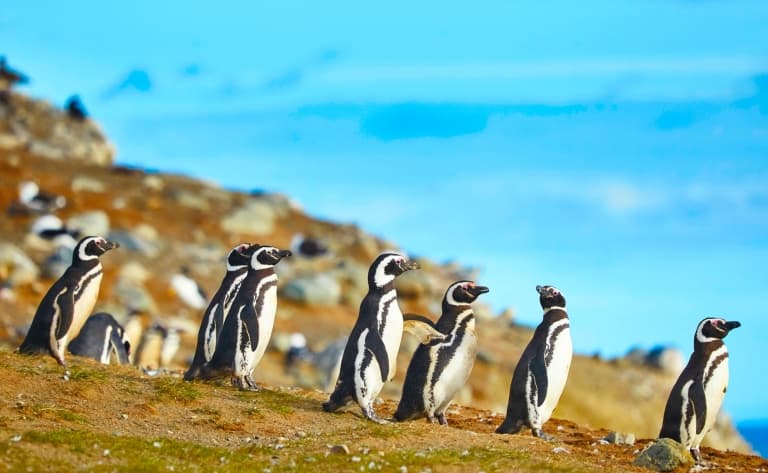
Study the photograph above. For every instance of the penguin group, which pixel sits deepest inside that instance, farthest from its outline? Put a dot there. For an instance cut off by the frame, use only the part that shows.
(237, 325)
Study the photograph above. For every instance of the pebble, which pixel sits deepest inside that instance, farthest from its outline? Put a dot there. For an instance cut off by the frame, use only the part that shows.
(339, 449)
(16, 438)
(560, 450)
(355, 459)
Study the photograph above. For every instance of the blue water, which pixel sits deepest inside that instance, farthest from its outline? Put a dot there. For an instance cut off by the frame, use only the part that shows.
(756, 433)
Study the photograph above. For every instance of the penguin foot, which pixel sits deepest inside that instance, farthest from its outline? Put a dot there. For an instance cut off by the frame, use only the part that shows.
(509, 428)
(66, 375)
(370, 415)
(542, 435)
(441, 418)
(244, 384)
(696, 453)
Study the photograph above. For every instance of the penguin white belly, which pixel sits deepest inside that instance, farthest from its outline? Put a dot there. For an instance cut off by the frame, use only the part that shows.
(368, 382)
(86, 301)
(714, 391)
(393, 332)
(557, 372)
(456, 371)
(266, 323)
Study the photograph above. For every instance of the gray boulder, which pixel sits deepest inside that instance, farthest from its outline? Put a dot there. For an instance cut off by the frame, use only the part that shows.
(667, 359)
(663, 455)
(256, 217)
(57, 262)
(313, 289)
(95, 222)
(15, 266)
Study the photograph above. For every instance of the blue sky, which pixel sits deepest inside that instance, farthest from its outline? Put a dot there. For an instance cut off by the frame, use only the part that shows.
(618, 150)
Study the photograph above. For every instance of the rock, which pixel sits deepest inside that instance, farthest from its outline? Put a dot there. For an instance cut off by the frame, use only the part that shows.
(95, 222)
(16, 267)
(191, 200)
(87, 184)
(314, 289)
(133, 296)
(415, 284)
(667, 359)
(256, 217)
(57, 262)
(154, 183)
(636, 355)
(132, 241)
(134, 272)
(663, 455)
(338, 449)
(618, 438)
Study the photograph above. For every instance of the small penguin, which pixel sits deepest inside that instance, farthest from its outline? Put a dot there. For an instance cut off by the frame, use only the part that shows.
(326, 361)
(370, 356)
(159, 344)
(248, 326)
(102, 339)
(75, 108)
(70, 300)
(187, 289)
(51, 228)
(541, 373)
(698, 393)
(307, 247)
(440, 367)
(35, 200)
(213, 319)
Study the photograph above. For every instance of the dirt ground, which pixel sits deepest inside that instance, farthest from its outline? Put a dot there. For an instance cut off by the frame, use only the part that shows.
(114, 418)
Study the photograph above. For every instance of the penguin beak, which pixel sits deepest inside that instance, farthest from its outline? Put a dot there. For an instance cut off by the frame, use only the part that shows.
(540, 290)
(732, 325)
(408, 265)
(283, 253)
(477, 290)
(110, 245)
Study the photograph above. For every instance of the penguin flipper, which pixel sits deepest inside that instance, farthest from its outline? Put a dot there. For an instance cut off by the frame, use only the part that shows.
(251, 322)
(66, 313)
(376, 346)
(422, 328)
(538, 371)
(699, 401)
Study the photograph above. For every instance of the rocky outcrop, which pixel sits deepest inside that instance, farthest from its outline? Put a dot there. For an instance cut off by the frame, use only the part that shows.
(41, 129)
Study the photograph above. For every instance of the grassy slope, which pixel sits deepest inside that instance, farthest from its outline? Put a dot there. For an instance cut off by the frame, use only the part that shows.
(108, 418)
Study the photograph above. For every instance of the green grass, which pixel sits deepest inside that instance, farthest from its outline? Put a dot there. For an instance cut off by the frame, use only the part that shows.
(172, 389)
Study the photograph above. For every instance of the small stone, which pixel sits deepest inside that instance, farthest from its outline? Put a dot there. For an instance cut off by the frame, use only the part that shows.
(16, 438)
(87, 184)
(339, 449)
(560, 450)
(156, 444)
(663, 455)
(124, 416)
(403, 469)
(355, 459)
(106, 452)
(619, 438)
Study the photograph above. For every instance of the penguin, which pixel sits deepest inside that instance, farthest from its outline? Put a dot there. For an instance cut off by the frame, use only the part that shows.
(326, 362)
(248, 326)
(542, 371)
(440, 367)
(370, 355)
(307, 247)
(75, 108)
(699, 391)
(37, 201)
(187, 289)
(159, 344)
(213, 319)
(69, 301)
(102, 338)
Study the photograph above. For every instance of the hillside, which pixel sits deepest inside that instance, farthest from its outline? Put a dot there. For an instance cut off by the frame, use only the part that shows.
(116, 419)
(169, 221)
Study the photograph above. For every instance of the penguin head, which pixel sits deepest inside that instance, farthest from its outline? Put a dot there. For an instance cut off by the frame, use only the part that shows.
(463, 292)
(264, 257)
(240, 256)
(550, 296)
(387, 266)
(91, 247)
(712, 328)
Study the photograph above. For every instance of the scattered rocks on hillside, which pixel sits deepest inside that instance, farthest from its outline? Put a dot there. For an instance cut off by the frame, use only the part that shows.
(133, 295)
(48, 132)
(416, 285)
(16, 268)
(153, 183)
(136, 241)
(256, 216)
(57, 262)
(663, 455)
(191, 200)
(87, 184)
(313, 289)
(95, 222)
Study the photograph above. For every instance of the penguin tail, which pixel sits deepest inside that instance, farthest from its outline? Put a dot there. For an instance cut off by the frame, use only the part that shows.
(510, 426)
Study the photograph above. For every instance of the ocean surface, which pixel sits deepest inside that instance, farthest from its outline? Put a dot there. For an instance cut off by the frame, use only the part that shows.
(756, 433)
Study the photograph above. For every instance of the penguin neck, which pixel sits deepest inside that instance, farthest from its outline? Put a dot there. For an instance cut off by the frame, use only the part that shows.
(258, 274)
(451, 316)
(554, 313)
(86, 265)
(706, 348)
(390, 286)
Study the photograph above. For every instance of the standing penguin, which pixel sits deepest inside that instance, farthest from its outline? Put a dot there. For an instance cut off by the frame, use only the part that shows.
(70, 300)
(370, 356)
(248, 326)
(697, 395)
(540, 375)
(102, 338)
(440, 367)
(213, 319)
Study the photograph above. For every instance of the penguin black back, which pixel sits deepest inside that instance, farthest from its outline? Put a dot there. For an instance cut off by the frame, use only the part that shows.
(101, 338)
(700, 386)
